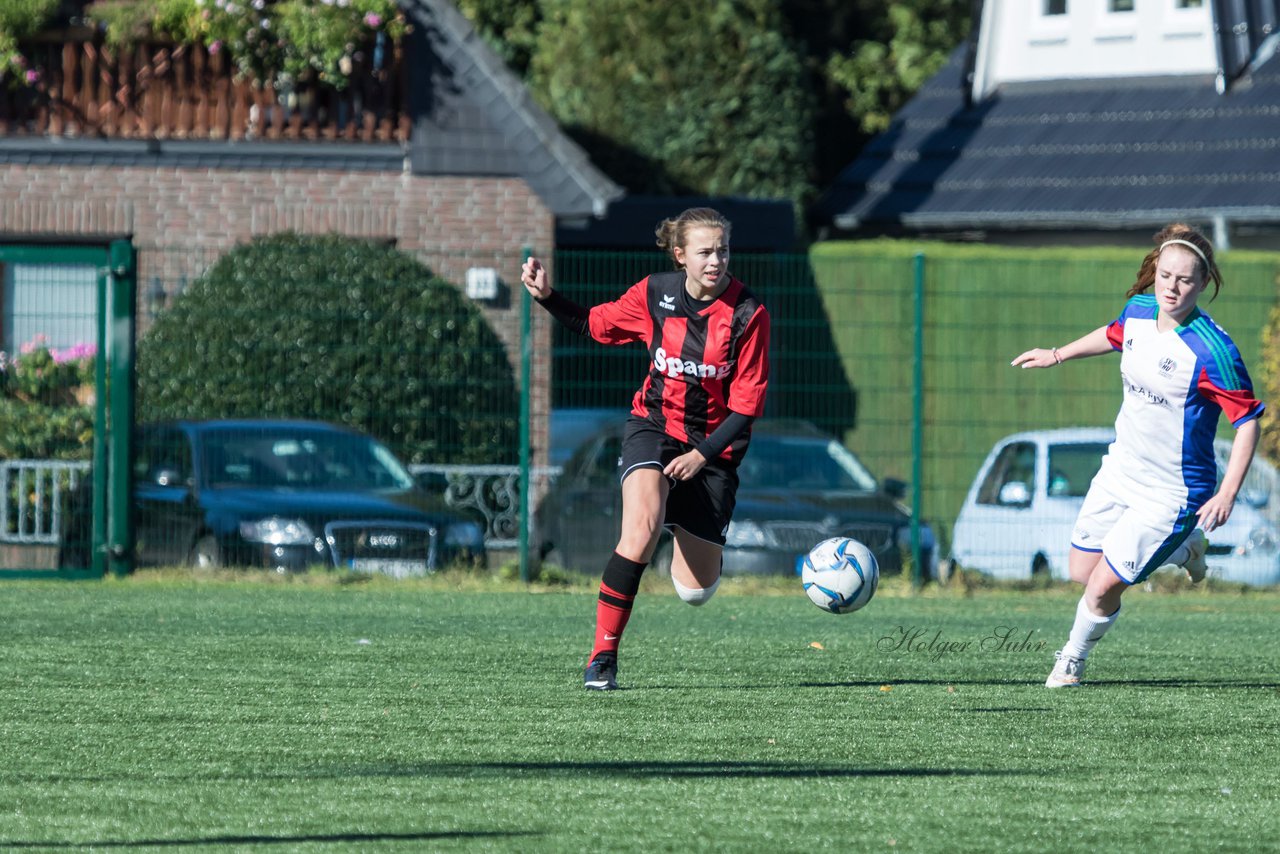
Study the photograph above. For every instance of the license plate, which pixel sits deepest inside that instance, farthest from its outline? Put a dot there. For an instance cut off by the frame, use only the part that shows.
(390, 566)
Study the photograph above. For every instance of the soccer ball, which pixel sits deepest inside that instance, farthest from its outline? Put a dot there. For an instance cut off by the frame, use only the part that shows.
(840, 575)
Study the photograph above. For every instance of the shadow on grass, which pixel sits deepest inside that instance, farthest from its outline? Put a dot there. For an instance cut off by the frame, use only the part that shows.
(1167, 682)
(461, 770)
(265, 840)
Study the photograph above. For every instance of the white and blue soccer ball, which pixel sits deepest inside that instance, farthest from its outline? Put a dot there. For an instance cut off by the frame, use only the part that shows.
(840, 575)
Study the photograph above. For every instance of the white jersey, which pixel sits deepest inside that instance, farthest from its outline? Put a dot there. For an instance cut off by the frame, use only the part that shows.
(1176, 384)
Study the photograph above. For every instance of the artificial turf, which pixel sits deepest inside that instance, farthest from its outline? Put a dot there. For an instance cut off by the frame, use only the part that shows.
(161, 711)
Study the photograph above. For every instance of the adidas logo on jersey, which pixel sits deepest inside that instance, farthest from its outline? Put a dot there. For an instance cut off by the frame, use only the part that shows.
(673, 366)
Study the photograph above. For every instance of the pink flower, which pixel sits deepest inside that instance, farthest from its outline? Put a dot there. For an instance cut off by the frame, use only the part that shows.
(75, 353)
(372, 20)
(33, 76)
(37, 343)
(215, 47)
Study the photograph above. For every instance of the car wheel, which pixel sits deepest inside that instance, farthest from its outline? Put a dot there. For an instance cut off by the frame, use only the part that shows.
(206, 553)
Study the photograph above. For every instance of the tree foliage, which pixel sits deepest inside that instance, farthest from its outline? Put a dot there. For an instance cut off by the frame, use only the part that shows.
(881, 72)
(680, 97)
(509, 26)
(759, 97)
(336, 329)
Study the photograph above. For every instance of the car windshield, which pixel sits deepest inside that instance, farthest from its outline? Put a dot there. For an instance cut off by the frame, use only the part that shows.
(803, 463)
(299, 459)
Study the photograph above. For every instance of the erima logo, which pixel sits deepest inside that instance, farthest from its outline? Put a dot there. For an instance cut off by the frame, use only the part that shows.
(668, 302)
(673, 366)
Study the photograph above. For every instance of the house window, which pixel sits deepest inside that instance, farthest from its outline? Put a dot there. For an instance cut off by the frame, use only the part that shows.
(1054, 7)
(1120, 5)
(53, 302)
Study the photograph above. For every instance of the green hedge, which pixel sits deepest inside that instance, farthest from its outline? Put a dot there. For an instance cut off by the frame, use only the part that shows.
(336, 329)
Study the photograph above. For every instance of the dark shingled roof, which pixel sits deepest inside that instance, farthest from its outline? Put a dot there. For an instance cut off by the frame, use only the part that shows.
(473, 116)
(1101, 153)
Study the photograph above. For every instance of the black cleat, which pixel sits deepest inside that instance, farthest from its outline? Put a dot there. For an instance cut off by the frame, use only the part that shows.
(602, 673)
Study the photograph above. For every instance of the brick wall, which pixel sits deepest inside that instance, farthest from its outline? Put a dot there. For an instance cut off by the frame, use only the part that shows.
(181, 220)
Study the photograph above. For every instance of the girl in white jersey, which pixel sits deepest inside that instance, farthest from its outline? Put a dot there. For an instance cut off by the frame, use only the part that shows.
(1154, 496)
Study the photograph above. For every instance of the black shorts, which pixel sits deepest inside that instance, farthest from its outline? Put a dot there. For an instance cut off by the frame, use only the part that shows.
(702, 505)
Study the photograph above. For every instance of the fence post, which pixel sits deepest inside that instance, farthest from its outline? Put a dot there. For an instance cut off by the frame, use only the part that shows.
(120, 339)
(917, 423)
(526, 482)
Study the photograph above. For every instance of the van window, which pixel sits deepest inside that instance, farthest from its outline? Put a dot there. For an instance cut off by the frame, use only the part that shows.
(1072, 467)
(1016, 463)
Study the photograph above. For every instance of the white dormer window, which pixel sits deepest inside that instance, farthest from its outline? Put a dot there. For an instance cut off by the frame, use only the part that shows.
(1021, 41)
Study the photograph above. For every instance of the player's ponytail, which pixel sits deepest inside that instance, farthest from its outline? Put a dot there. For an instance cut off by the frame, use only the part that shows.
(672, 233)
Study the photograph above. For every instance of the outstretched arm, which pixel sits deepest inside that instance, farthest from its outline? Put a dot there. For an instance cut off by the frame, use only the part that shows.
(1215, 512)
(537, 282)
(1093, 344)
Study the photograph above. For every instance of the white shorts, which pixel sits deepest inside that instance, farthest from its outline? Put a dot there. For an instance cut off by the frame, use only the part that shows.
(1134, 529)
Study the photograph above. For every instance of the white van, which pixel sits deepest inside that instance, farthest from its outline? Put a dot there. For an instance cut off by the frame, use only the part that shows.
(1017, 518)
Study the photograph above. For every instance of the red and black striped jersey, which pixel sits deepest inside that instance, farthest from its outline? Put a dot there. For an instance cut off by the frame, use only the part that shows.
(705, 358)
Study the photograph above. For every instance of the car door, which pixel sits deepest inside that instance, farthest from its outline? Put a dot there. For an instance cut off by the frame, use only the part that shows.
(1069, 470)
(992, 533)
(590, 505)
(165, 512)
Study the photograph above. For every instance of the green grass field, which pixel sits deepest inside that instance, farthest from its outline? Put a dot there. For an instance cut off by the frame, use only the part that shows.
(158, 712)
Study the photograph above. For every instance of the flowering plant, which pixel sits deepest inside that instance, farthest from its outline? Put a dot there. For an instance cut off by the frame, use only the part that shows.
(46, 398)
(38, 373)
(19, 19)
(270, 41)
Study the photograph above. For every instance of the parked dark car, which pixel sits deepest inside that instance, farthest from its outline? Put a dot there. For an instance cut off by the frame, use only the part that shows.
(284, 495)
(798, 487)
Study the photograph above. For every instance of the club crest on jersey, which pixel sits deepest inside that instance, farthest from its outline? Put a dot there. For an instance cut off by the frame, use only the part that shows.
(1168, 366)
(668, 302)
(674, 366)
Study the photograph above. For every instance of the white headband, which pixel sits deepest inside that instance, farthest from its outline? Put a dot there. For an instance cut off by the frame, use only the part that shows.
(1188, 244)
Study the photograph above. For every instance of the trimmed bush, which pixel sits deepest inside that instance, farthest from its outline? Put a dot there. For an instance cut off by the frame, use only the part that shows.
(340, 330)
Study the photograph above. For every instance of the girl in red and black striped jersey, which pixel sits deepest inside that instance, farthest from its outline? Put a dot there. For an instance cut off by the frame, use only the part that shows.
(708, 340)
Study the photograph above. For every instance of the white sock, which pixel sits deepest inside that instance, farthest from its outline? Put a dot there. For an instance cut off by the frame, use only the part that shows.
(1087, 630)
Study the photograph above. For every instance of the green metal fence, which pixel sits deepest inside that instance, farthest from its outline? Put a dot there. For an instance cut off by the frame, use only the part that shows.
(65, 356)
(900, 351)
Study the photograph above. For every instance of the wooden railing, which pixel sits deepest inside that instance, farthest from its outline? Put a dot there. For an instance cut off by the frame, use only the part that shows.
(87, 89)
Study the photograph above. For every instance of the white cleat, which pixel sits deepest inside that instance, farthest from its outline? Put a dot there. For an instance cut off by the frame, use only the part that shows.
(1066, 672)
